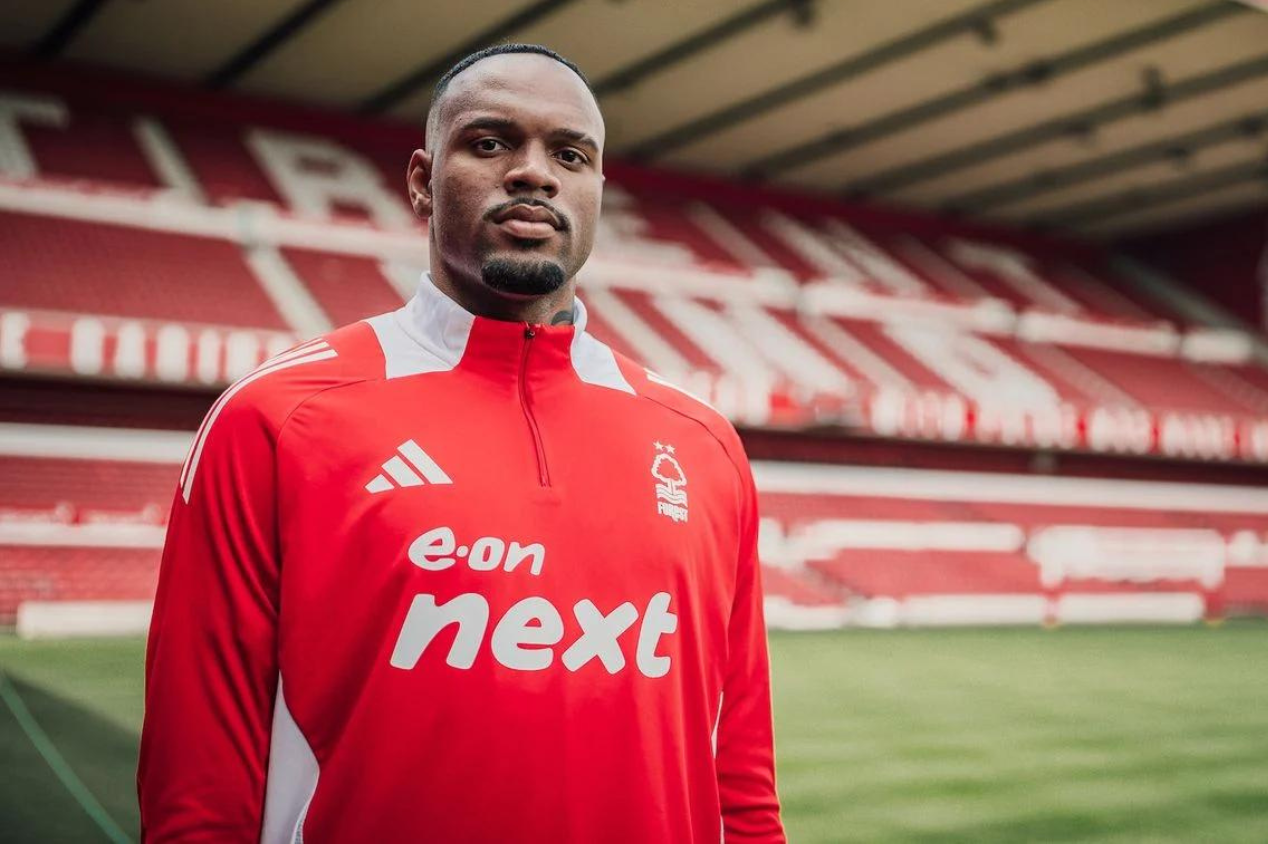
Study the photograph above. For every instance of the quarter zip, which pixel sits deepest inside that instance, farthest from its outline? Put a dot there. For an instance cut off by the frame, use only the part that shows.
(543, 473)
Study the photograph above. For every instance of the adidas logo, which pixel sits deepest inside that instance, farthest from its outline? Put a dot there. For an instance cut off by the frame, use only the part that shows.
(420, 469)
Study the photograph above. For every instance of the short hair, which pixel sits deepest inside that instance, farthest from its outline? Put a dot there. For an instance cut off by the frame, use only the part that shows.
(499, 50)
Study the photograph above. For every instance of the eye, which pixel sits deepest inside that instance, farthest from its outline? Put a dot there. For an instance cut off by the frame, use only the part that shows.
(572, 157)
(488, 145)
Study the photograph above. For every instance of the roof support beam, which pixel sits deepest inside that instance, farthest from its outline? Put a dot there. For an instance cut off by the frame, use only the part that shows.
(678, 52)
(1097, 210)
(427, 74)
(1031, 75)
(1078, 124)
(268, 43)
(70, 24)
(968, 23)
(1006, 193)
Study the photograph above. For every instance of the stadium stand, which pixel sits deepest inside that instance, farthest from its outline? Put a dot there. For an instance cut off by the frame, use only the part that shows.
(343, 286)
(873, 546)
(926, 546)
(1215, 258)
(183, 250)
(82, 513)
(130, 272)
(93, 488)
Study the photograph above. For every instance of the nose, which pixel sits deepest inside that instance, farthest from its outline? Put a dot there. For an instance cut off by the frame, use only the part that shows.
(532, 172)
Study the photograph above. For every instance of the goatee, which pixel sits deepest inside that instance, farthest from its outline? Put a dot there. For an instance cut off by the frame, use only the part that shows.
(523, 278)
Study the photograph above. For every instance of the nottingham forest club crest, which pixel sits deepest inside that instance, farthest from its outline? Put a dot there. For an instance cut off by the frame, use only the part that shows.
(671, 498)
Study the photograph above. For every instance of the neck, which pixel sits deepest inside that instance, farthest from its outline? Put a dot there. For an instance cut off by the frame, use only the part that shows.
(556, 308)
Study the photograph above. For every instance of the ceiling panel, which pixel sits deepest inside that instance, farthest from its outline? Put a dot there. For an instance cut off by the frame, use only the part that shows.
(1218, 45)
(761, 60)
(1174, 119)
(1154, 176)
(963, 63)
(25, 22)
(177, 39)
(351, 51)
(603, 37)
(1214, 205)
(362, 46)
(934, 73)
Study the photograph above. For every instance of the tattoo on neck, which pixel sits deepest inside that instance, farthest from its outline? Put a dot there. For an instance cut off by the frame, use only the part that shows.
(564, 317)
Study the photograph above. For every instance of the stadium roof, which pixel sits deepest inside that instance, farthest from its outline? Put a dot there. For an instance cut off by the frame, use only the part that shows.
(1104, 117)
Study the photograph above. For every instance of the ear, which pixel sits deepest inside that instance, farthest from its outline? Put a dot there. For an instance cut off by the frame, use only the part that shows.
(418, 181)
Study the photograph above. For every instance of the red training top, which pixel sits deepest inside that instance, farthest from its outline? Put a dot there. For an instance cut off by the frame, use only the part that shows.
(446, 578)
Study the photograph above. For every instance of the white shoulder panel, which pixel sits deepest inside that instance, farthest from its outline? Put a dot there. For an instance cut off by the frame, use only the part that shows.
(428, 334)
(406, 352)
(596, 364)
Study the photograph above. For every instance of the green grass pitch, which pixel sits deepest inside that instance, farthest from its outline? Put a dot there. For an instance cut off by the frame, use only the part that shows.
(1096, 734)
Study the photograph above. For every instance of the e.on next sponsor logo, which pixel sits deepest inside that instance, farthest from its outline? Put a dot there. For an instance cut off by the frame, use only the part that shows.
(529, 635)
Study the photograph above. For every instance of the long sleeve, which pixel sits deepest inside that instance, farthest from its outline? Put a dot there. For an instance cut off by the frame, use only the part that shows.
(211, 664)
(745, 741)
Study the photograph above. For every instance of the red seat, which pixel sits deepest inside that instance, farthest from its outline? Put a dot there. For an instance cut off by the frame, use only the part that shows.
(91, 268)
(347, 287)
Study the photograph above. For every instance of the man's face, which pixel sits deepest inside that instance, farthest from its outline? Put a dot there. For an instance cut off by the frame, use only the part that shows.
(514, 163)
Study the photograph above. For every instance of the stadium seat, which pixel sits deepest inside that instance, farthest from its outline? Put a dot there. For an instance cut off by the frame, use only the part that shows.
(125, 271)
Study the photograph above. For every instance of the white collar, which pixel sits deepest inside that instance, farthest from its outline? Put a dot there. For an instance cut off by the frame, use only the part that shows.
(430, 334)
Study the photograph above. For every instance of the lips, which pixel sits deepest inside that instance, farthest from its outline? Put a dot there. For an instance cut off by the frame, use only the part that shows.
(528, 221)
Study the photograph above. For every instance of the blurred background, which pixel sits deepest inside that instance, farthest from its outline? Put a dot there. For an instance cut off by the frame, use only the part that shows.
(983, 283)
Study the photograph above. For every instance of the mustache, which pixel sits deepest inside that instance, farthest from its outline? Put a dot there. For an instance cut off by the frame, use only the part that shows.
(564, 223)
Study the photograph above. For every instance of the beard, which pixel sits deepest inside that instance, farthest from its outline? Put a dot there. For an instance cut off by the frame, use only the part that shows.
(524, 277)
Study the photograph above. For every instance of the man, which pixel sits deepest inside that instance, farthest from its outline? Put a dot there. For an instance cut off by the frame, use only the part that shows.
(460, 572)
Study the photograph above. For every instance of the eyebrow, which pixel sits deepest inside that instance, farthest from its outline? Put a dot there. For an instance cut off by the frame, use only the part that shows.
(501, 124)
(578, 137)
